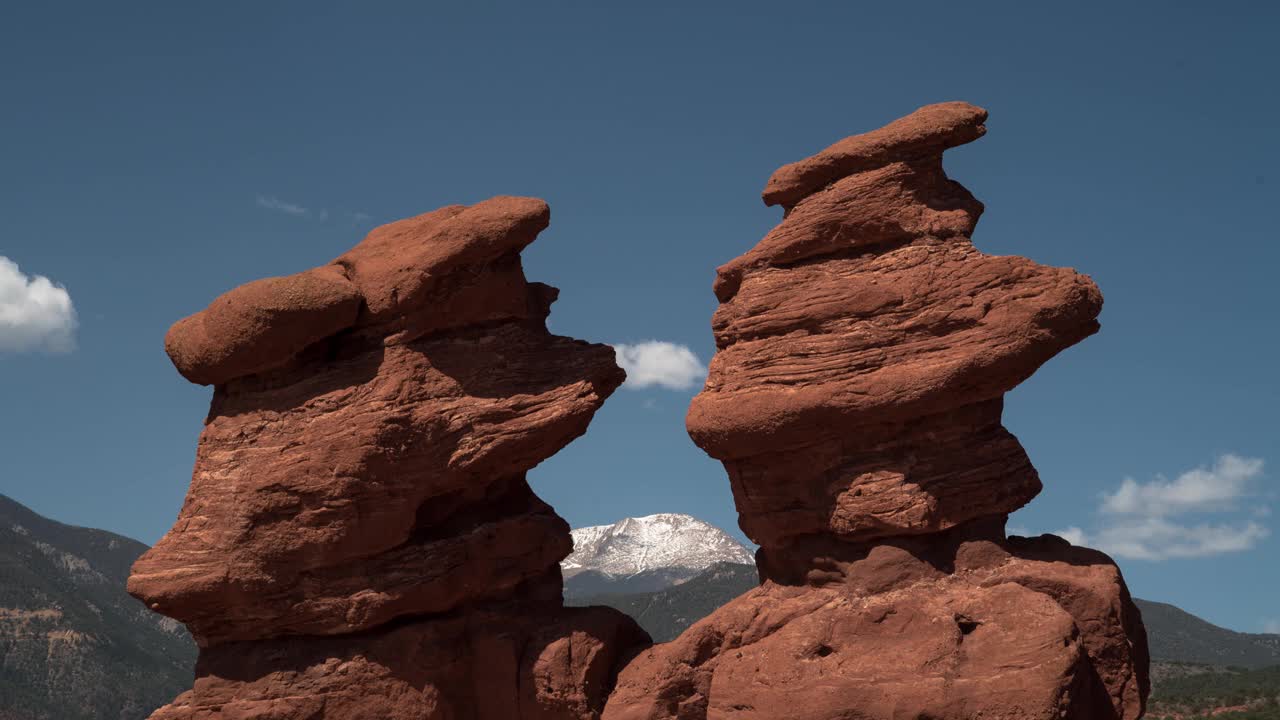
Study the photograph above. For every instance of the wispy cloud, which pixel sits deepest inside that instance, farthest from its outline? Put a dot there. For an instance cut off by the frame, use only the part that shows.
(1204, 511)
(36, 315)
(271, 202)
(660, 363)
(323, 215)
(1271, 626)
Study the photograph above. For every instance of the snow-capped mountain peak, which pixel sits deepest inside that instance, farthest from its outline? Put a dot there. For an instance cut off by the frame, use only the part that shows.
(666, 541)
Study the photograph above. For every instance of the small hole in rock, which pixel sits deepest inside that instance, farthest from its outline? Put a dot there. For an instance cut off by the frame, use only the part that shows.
(823, 651)
(966, 625)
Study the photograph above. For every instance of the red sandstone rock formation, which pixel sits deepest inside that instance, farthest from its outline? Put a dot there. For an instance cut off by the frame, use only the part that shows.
(359, 540)
(864, 349)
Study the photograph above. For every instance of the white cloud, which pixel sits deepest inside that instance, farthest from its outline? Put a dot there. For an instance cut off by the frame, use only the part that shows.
(35, 314)
(1165, 519)
(1073, 535)
(1199, 490)
(655, 362)
(271, 202)
(1271, 626)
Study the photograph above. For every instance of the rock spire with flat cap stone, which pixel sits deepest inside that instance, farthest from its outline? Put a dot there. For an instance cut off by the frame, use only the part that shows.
(864, 349)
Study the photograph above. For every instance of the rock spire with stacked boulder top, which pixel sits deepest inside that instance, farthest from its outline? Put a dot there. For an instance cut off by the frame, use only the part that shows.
(359, 540)
(864, 349)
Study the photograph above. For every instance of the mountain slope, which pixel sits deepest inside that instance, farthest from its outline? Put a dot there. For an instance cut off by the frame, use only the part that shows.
(646, 554)
(73, 644)
(667, 613)
(1176, 635)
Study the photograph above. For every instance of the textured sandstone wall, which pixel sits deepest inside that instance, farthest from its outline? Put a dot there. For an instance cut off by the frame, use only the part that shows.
(359, 540)
(864, 348)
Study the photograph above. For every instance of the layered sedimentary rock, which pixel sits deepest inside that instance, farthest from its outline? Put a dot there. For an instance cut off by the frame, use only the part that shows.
(359, 540)
(864, 347)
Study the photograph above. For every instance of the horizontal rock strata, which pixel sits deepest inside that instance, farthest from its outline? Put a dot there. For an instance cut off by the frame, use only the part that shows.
(864, 348)
(359, 537)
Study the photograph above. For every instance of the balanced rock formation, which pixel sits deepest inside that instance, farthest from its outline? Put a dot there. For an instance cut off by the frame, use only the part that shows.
(359, 540)
(864, 347)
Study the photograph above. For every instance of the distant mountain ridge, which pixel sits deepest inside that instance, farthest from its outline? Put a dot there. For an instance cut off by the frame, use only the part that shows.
(1176, 635)
(646, 554)
(73, 644)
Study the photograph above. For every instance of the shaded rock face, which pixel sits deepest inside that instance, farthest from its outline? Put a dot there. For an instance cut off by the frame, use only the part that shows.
(359, 539)
(864, 347)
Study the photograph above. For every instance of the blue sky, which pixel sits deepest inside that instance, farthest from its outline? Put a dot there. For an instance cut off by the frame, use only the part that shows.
(157, 154)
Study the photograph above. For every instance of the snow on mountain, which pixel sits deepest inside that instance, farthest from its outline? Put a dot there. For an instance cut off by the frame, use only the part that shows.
(679, 544)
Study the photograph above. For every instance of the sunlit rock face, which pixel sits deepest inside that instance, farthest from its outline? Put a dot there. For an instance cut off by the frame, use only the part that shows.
(359, 540)
(864, 348)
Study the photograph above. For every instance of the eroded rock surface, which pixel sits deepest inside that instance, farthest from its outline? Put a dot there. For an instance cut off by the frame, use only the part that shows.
(359, 540)
(864, 348)
(958, 625)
